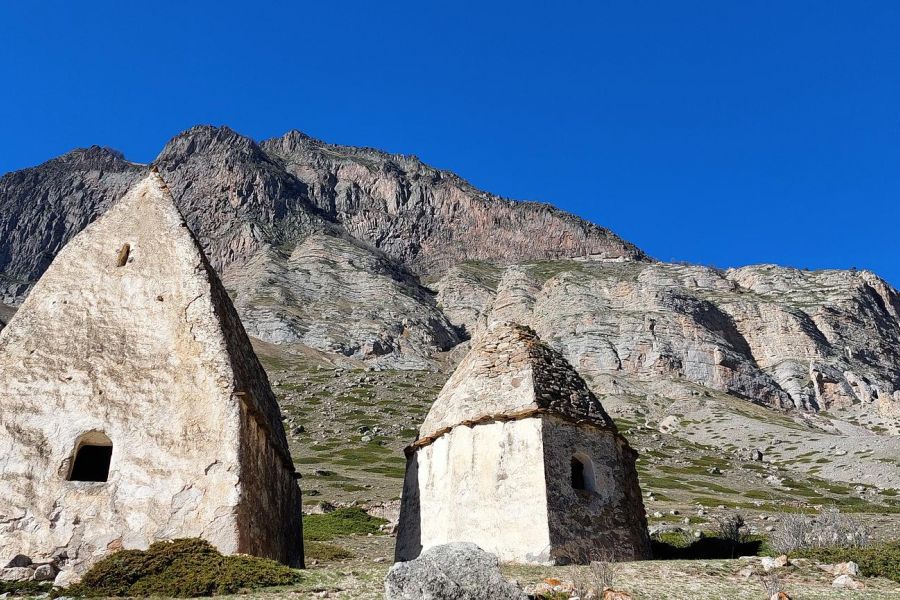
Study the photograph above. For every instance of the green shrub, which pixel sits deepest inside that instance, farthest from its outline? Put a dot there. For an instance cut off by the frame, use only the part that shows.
(325, 552)
(877, 560)
(24, 588)
(338, 523)
(184, 568)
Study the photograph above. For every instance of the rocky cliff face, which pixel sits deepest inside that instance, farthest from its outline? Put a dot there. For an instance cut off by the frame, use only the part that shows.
(776, 336)
(339, 296)
(431, 219)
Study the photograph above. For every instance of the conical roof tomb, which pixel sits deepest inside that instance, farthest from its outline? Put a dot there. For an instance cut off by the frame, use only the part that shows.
(518, 456)
(133, 407)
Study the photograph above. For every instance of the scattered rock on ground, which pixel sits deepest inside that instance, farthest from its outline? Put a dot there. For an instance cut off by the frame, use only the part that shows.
(45, 573)
(847, 583)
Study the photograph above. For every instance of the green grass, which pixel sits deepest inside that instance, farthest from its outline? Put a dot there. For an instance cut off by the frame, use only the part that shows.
(339, 523)
(184, 568)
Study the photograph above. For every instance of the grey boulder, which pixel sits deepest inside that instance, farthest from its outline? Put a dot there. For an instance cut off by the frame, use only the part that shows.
(458, 571)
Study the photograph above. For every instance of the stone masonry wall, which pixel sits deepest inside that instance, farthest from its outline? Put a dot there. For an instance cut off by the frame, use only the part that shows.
(608, 523)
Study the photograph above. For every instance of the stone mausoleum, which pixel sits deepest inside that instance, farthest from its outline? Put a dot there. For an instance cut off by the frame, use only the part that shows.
(133, 408)
(518, 456)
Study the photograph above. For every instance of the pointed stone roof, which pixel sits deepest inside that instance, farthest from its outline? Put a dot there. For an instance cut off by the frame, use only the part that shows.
(133, 301)
(510, 373)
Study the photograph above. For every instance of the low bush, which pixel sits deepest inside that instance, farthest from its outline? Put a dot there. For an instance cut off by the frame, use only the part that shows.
(325, 552)
(730, 527)
(829, 529)
(24, 588)
(183, 568)
(339, 523)
(876, 560)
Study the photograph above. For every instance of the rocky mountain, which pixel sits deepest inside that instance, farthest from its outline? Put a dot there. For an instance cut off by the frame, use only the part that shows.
(431, 219)
(252, 205)
(239, 196)
(328, 246)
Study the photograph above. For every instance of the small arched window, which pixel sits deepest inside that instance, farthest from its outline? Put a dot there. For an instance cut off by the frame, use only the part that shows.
(582, 473)
(91, 458)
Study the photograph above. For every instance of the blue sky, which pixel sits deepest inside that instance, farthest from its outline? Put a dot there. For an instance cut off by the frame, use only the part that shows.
(722, 133)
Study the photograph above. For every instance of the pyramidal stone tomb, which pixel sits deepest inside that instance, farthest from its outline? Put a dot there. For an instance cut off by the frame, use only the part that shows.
(134, 408)
(518, 456)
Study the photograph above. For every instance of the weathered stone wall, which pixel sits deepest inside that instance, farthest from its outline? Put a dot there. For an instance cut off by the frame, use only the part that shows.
(482, 484)
(608, 522)
(270, 504)
(139, 352)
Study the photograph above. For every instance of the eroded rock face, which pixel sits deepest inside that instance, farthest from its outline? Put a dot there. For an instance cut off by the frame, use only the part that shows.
(782, 337)
(450, 572)
(337, 295)
(431, 219)
(134, 408)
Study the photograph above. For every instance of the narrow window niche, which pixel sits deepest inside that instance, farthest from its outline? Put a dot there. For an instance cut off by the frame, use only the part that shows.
(123, 255)
(582, 473)
(91, 458)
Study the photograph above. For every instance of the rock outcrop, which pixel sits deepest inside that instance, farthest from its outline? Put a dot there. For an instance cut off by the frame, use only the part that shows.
(431, 219)
(336, 295)
(776, 336)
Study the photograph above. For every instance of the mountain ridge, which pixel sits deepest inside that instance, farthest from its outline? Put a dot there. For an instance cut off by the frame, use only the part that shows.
(239, 195)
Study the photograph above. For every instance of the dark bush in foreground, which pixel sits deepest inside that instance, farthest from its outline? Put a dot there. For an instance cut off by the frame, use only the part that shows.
(183, 568)
(339, 523)
(877, 560)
